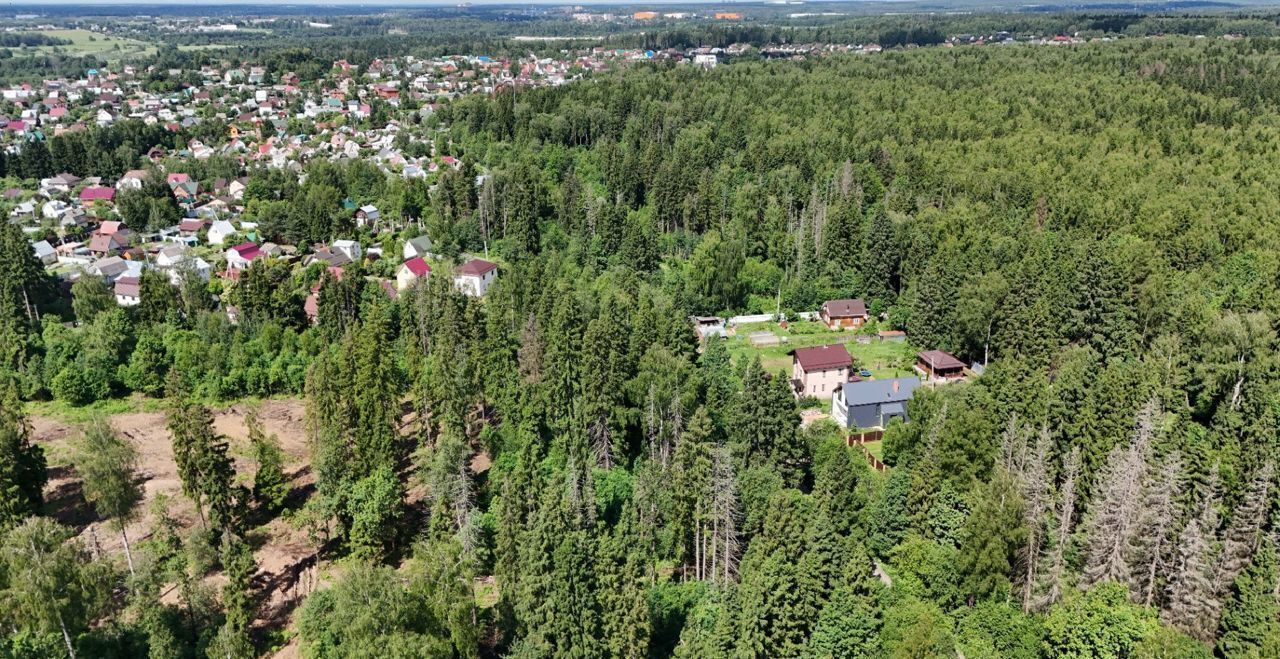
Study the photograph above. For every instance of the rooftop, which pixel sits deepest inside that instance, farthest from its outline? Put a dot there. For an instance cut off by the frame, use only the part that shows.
(820, 358)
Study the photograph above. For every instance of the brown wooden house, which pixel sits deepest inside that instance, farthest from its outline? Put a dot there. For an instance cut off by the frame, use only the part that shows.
(844, 314)
(939, 365)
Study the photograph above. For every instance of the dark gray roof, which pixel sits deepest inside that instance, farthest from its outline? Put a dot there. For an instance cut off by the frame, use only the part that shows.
(868, 392)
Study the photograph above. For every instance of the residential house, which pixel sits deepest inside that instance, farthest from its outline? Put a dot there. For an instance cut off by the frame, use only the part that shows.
(349, 248)
(410, 271)
(240, 256)
(109, 268)
(219, 231)
(61, 184)
(475, 276)
(104, 244)
(420, 246)
(844, 314)
(937, 365)
(872, 403)
(53, 208)
(132, 180)
(45, 252)
(23, 211)
(128, 291)
(820, 370)
(94, 194)
(367, 216)
(190, 227)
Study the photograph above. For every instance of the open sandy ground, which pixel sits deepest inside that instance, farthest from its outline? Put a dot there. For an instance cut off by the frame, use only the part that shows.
(287, 563)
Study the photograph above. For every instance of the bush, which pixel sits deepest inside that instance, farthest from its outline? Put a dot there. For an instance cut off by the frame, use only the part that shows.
(80, 386)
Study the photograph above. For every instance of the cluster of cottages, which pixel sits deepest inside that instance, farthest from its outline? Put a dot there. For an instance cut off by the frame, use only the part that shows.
(858, 400)
(259, 106)
(119, 255)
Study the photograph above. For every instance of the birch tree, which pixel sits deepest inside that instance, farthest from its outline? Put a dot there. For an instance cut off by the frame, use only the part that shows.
(52, 585)
(108, 467)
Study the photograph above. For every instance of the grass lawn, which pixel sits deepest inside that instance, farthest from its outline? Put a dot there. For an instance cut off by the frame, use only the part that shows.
(876, 449)
(486, 593)
(85, 42)
(68, 413)
(885, 359)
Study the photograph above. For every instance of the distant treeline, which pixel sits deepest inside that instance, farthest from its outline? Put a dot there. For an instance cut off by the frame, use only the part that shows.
(20, 39)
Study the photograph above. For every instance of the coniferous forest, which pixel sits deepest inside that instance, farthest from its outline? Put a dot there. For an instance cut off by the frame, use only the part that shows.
(562, 469)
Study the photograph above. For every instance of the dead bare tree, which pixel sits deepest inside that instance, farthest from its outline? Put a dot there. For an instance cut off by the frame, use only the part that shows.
(1153, 546)
(1033, 481)
(1192, 603)
(1114, 511)
(1054, 573)
(724, 518)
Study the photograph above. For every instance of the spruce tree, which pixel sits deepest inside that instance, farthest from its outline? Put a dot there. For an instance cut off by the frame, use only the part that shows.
(22, 463)
(1251, 621)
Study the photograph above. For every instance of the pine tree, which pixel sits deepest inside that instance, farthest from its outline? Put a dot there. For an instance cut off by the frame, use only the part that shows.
(993, 534)
(203, 464)
(270, 486)
(778, 598)
(880, 257)
(691, 482)
(766, 424)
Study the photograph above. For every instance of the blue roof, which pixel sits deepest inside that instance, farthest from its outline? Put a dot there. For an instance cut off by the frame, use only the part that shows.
(892, 408)
(868, 392)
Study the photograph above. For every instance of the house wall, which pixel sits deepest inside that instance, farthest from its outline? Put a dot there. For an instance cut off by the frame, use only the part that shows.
(474, 286)
(819, 384)
(404, 278)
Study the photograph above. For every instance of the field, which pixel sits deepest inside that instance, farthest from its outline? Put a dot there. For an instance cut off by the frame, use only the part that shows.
(885, 359)
(85, 42)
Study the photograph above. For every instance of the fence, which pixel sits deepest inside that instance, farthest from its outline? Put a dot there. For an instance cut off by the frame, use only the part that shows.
(861, 439)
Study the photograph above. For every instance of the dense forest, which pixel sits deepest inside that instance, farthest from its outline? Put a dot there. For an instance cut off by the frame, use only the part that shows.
(1097, 224)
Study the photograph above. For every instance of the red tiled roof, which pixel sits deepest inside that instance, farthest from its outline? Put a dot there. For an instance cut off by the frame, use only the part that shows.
(477, 268)
(247, 251)
(417, 266)
(820, 358)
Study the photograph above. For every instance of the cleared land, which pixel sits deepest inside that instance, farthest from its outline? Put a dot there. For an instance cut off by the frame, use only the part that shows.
(885, 359)
(86, 42)
(288, 564)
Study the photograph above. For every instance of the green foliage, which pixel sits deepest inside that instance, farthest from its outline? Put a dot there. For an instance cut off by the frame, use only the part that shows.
(375, 509)
(270, 486)
(1099, 623)
(22, 463)
(50, 586)
(370, 613)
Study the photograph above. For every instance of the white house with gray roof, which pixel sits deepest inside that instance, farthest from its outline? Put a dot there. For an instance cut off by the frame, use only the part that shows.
(872, 403)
